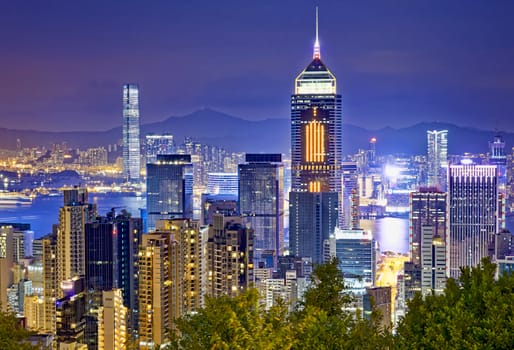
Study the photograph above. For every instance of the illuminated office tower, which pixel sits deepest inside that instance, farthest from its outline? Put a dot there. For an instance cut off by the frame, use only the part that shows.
(316, 158)
(261, 202)
(428, 238)
(473, 196)
(73, 217)
(112, 244)
(437, 157)
(158, 144)
(356, 251)
(131, 146)
(169, 189)
(497, 157)
(229, 256)
(6, 263)
(350, 201)
(222, 183)
(112, 322)
(427, 209)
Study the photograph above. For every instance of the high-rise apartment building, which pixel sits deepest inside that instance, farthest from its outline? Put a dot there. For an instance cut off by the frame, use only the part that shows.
(6, 263)
(437, 157)
(473, 196)
(131, 141)
(261, 201)
(229, 256)
(112, 322)
(73, 216)
(158, 144)
(316, 156)
(169, 188)
(192, 242)
(50, 283)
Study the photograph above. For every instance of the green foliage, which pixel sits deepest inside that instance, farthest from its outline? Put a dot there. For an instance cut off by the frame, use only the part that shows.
(474, 313)
(12, 334)
(320, 322)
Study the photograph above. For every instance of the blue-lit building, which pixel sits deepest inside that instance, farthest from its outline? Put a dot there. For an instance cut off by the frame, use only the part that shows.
(222, 183)
(169, 188)
(158, 144)
(261, 202)
(316, 158)
(131, 143)
(474, 220)
(356, 251)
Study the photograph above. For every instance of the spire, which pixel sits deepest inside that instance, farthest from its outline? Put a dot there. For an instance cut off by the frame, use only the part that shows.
(316, 43)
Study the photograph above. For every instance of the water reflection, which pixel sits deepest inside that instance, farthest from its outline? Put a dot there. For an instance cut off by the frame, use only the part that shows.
(392, 234)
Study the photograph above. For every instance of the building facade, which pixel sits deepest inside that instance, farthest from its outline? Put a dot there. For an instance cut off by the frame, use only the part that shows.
(169, 188)
(261, 202)
(316, 152)
(437, 151)
(131, 138)
(473, 196)
(229, 256)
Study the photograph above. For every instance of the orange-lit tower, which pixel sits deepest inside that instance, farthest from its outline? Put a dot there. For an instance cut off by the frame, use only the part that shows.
(316, 157)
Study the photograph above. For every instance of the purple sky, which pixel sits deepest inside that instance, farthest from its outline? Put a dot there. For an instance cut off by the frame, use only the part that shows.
(62, 63)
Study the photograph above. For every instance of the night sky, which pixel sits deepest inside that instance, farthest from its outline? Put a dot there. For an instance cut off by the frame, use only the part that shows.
(62, 63)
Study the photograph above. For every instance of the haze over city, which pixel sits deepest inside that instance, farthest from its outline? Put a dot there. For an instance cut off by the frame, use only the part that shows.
(398, 63)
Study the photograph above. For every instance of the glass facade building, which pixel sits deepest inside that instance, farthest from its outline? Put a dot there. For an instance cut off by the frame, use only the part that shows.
(131, 142)
(261, 202)
(316, 158)
(437, 157)
(158, 144)
(473, 196)
(356, 251)
(169, 188)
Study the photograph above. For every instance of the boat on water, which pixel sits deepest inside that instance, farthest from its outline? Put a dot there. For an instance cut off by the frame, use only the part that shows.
(14, 199)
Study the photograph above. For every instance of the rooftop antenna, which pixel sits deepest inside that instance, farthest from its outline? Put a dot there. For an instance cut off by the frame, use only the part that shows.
(317, 54)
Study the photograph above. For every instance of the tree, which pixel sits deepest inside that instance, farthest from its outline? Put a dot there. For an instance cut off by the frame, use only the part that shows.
(475, 312)
(234, 323)
(324, 320)
(12, 334)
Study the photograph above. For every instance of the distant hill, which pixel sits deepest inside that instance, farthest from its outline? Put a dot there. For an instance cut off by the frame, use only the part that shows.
(270, 135)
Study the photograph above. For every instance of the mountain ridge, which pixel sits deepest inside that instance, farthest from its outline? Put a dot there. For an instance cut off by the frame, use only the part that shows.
(269, 135)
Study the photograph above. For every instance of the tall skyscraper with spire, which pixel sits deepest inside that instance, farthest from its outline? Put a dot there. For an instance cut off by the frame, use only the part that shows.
(131, 146)
(316, 157)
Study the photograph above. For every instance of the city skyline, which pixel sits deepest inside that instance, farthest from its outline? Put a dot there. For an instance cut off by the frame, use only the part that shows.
(450, 63)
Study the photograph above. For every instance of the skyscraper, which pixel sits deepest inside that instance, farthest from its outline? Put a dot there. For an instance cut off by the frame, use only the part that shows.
(437, 157)
(316, 157)
(73, 217)
(261, 201)
(473, 196)
(158, 144)
(131, 146)
(169, 188)
(428, 238)
(498, 157)
(229, 256)
(112, 322)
